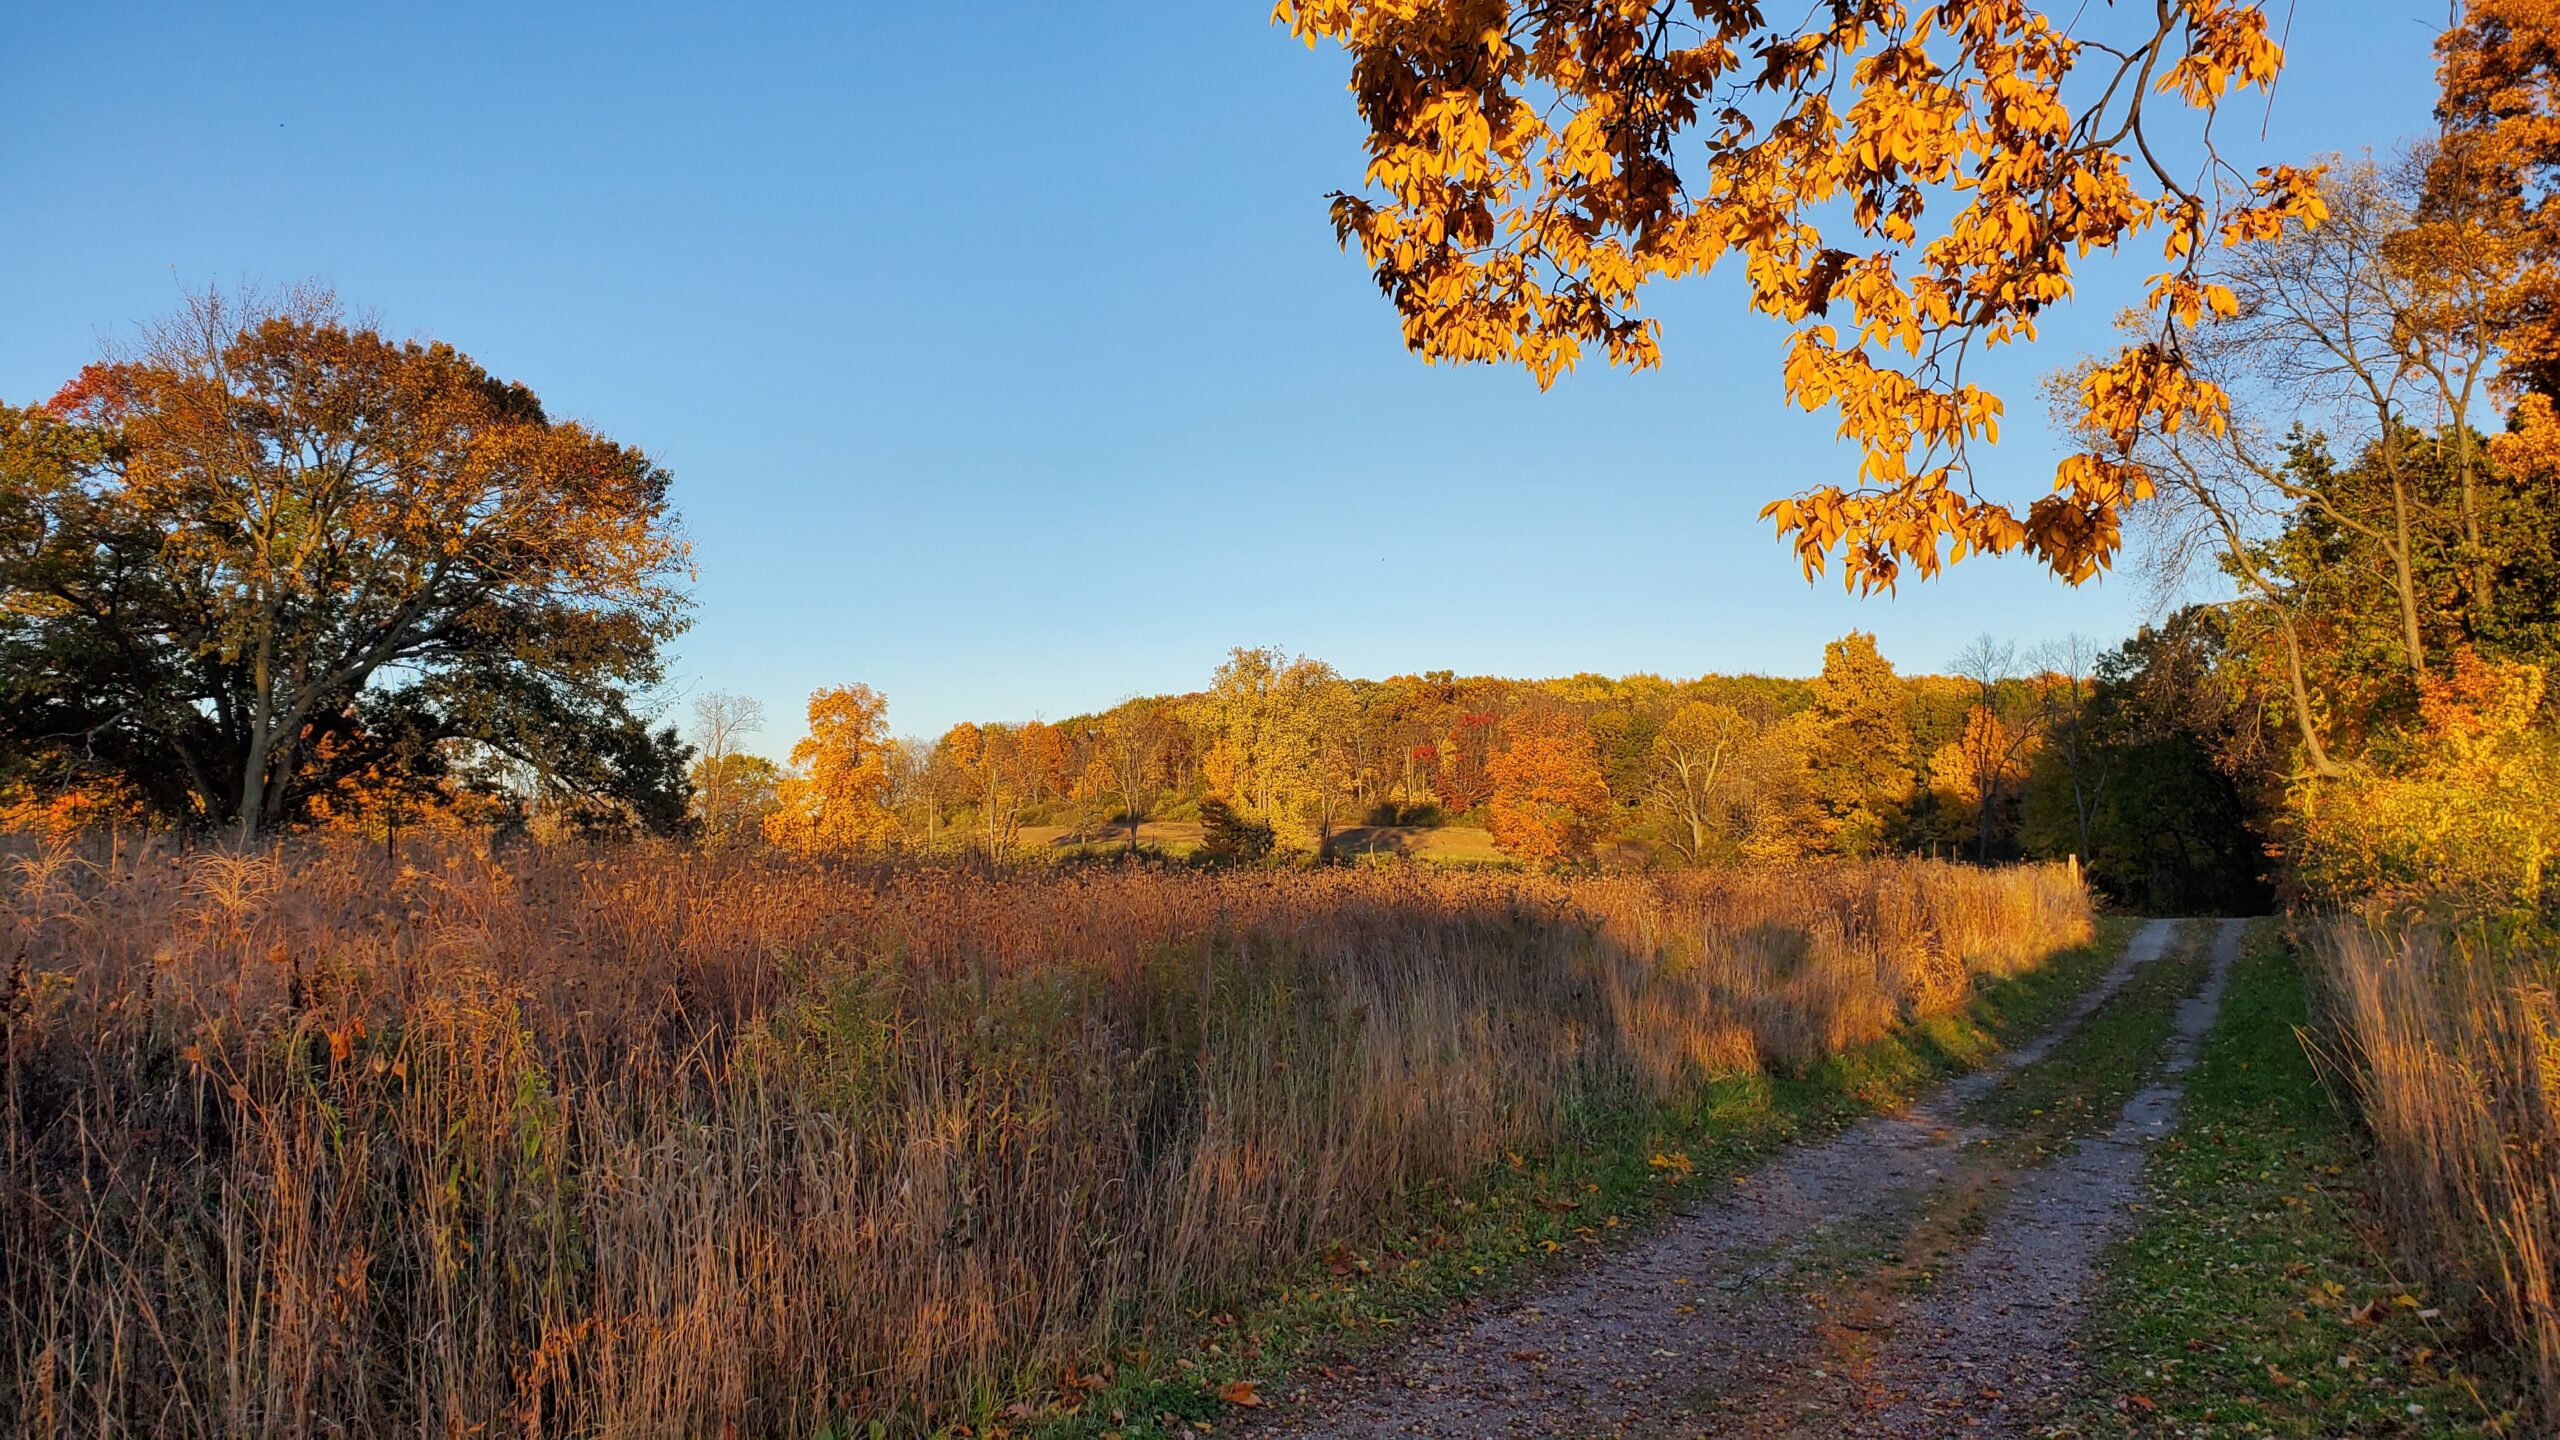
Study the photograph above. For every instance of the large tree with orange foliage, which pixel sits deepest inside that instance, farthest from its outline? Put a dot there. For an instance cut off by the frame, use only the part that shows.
(218, 548)
(2490, 217)
(2490, 176)
(836, 797)
(1902, 183)
(1549, 795)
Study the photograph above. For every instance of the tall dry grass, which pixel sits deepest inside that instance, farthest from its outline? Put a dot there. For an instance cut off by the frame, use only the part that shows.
(646, 1144)
(2454, 1044)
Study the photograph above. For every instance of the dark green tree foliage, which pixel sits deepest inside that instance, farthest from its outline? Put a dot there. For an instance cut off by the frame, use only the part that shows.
(1623, 734)
(1227, 838)
(2370, 625)
(557, 740)
(2172, 750)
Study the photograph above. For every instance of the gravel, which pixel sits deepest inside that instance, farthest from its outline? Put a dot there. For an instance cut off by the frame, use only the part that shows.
(1722, 1323)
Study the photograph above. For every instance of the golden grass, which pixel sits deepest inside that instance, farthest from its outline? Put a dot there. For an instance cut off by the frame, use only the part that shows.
(652, 1143)
(2454, 1043)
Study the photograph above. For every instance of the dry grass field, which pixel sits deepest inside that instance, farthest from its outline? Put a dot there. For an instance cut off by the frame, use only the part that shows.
(636, 1143)
(2453, 1042)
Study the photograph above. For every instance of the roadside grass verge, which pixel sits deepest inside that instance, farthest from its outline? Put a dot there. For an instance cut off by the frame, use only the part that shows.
(2252, 1300)
(2449, 1037)
(1624, 1170)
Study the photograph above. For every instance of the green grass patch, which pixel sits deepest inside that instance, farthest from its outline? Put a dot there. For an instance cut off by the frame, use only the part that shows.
(1628, 1167)
(2251, 1301)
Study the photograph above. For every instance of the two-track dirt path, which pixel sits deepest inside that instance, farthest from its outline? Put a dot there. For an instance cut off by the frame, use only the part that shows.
(1726, 1322)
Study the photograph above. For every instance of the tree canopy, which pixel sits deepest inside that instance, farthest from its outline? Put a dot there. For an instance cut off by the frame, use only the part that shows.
(268, 542)
(1902, 183)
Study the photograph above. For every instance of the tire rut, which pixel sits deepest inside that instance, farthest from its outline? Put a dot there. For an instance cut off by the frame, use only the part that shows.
(1993, 1348)
(1684, 1334)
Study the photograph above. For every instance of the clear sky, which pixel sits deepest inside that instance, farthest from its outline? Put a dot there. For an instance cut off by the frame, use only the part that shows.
(1002, 352)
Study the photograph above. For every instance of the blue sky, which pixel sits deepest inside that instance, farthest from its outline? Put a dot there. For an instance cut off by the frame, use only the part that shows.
(1002, 352)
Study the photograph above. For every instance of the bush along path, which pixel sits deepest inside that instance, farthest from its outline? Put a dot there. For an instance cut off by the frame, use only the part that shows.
(1919, 1274)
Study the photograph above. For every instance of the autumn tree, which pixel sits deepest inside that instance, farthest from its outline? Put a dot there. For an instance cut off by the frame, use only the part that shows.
(378, 779)
(1549, 797)
(908, 763)
(1859, 763)
(2490, 204)
(746, 786)
(1902, 184)
(2467, 807)
(989, 768)
(62, 814)
(216, 545)
(1999, 735)
(2370, 522)
(1623, 720)
(721, 722)
(1697, 778)
(2174, 726)
(1334, 755)
(1413, 719)
(2338, 337)
(1264, 724)
(1461, 776)
(1781, 819)
(1135, 741)
(1039, 754)
(2064, 683)
(1130, 751)
(836, 797)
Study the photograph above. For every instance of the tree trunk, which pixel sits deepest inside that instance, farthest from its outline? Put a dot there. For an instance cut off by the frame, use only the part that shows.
(2321, 764)
(253, 780)
(2476, 571)
(2403, 576)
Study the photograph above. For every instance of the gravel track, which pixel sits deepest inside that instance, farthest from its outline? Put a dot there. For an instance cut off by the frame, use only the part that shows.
(1721, 1322)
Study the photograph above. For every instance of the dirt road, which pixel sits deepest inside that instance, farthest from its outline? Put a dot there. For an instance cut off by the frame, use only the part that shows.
(1962, 1317)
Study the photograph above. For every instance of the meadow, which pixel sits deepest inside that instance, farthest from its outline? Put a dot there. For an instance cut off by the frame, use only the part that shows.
(301, 1142)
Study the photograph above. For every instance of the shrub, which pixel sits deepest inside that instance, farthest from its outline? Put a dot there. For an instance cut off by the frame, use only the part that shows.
(2462, 815)
(1227, 838)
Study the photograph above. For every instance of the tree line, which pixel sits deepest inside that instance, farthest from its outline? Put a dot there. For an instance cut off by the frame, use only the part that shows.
(2057, 751)
(267, 569)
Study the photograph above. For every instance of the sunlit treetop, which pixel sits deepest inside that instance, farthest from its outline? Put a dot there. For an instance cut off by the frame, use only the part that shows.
(1901, 183)
(2493, 183)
